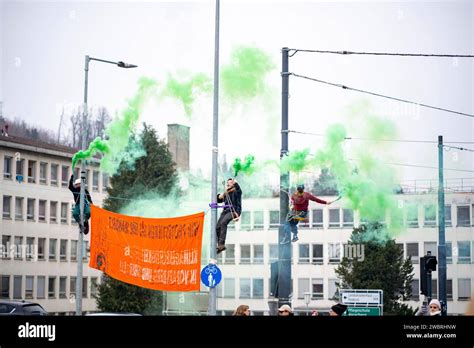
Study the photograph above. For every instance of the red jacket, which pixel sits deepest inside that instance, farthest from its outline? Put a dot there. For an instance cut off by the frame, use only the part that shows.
(301, 201)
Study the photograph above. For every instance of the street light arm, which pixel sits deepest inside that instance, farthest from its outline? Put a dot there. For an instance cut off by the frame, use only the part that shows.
(119, 64)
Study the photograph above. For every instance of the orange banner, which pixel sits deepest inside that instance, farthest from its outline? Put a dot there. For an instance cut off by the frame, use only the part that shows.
(160, 254)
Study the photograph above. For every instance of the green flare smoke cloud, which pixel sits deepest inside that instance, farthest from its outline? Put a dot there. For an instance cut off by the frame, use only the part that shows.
(247, 167)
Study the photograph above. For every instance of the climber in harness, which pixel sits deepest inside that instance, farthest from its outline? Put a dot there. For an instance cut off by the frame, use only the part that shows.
(75, 188)
(232, 199)
(298, 211)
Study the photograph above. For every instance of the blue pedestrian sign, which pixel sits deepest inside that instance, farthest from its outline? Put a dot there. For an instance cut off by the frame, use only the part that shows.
(211, 275)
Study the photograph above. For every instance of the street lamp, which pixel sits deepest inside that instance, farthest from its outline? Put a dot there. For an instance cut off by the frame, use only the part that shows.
(80, 243)
(307, 300)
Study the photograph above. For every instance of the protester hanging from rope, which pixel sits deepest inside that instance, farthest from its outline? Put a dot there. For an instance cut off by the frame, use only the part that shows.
(232, 198)
(298, 211)
(75, 188)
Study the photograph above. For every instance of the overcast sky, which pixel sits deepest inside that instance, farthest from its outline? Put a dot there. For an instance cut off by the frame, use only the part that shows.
(43, 46)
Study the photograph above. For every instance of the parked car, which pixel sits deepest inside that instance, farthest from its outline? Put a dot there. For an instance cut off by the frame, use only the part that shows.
(9, 307)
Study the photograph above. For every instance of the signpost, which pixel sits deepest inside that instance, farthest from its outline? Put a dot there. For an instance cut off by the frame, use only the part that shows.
(363, 311)
(362, 302)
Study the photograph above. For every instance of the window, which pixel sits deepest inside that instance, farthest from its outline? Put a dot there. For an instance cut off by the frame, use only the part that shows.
(434, 288)
(30, 251)
(334, 218)
(31, 171)
(42, 211)
(258, 253)
(412, 215)
(73, 250)
(273, 252)
(40, 287)
(447, 215)
(95, 181)
(30, 209)
(77, 173)
(54, 175)
(464, 289)
(43, 172)
(318, 218)
(317, 254)
(6, 240)
(318, 289)
(415, 290)
(412, 252)
(258, 220)
(62, 287)
(245, 254)
(332, 289)
(245, 220)
(5, 287)
(334, 252)
(229, 287)
(449, 252)
(53, 212)
(72, 286)
(449, 289)
(7, 167)
(303, 286)
(52, 287)
(18, 247)
(7, 209)
(52, 249)
(464, 252)
(463, 216)
(17, 293)
(64, 211)
(63, 250)
(303, 253)
(84, 287)
(18, 208)
(257, 288)
(29, 286)
(348, 217)
(85, 250)
(274, 218)
(430, 215)
(41, 248)
(19, 169)
(94, 287)
(432, 247)
(244, 288)
(229, 254)
(105, 181)
(64, 176)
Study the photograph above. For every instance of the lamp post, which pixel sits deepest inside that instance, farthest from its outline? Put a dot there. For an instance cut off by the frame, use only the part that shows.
(307, 300)
(80, 243)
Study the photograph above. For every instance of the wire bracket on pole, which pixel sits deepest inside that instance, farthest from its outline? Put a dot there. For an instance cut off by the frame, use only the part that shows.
(215, 149)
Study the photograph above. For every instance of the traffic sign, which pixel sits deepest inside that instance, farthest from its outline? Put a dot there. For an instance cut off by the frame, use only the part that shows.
(359, 296)
(211, 275)
(363, 311)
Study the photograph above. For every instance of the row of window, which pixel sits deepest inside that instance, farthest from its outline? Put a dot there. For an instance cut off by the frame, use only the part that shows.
(252, 288)
(41, 287)
(33, 249)
(344, 218)
(19, 208)
(48, 173)
(315, 253)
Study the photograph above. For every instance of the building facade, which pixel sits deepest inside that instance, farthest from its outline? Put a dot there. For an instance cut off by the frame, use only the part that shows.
(252, 247)
(39, 235)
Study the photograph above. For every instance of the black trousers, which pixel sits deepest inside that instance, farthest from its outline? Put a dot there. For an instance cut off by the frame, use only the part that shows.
(221, 227)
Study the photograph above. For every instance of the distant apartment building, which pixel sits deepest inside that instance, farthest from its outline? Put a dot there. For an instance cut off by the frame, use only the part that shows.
(38, 234)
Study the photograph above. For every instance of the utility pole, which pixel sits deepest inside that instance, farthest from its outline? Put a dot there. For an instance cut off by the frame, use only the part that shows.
(284, 285)
(441, 230)
(215, 152)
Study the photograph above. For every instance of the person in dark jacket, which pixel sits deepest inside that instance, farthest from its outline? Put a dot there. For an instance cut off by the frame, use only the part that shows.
(232, 198)
(75, 188)
(337, 310)
(299, 211)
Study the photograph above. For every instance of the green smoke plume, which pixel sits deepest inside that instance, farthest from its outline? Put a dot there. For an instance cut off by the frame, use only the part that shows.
(244, 77)
(118, 132)
(187, 90)
(97, 145)
(295, 161)
(247, 167)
